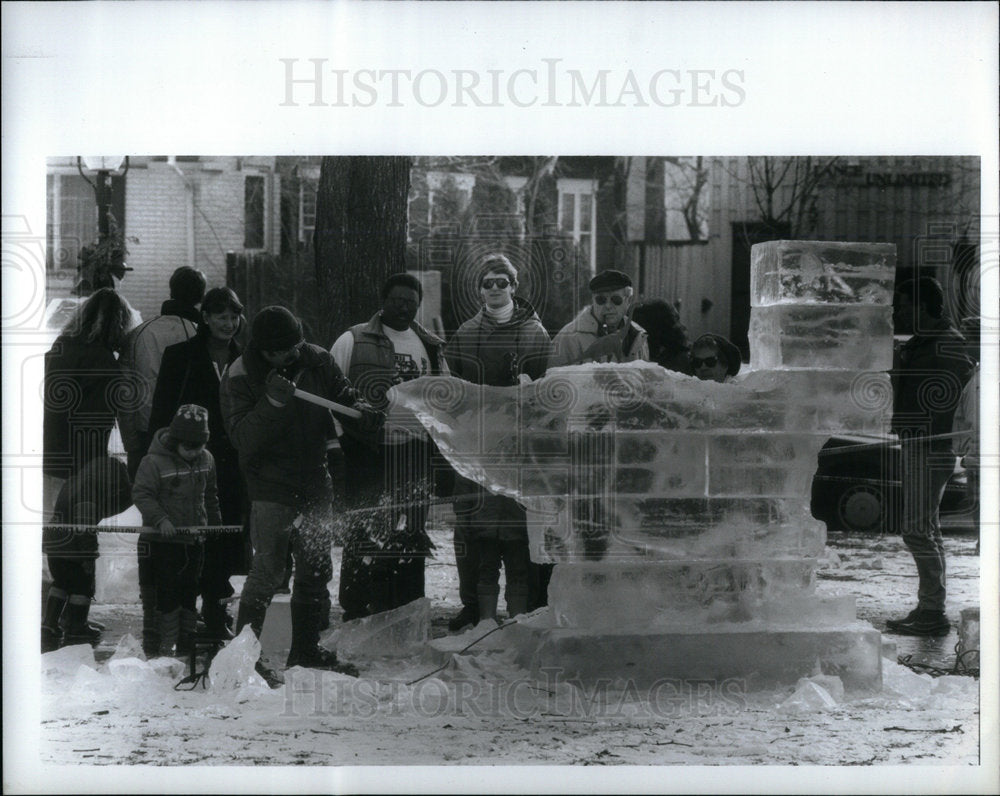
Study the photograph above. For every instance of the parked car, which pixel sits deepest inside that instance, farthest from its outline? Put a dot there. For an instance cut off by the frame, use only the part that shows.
(859, 489)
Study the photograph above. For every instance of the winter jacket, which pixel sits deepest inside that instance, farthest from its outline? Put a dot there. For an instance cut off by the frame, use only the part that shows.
(579, 341)
(141, 357)
(99, 490)
(83, 382)
(373, 366)
(928, 376)
(282, 449)
(169, 487)
(485, 352)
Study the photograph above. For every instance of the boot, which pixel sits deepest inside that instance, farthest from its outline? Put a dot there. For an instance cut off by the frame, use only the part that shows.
(305, 649)
(488, 606)
(217, 619)
(517, 604)
(150, 622)
(253, 615)
(187, 629)
(271, 677)
(920, 622)
(77, 629)
(52, 634)
(170, 627)
(469, 615)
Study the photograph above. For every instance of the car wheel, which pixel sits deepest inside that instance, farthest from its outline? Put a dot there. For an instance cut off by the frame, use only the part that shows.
(861, 508)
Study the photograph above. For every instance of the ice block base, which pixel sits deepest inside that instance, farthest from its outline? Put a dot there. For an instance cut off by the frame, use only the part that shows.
(755, 659)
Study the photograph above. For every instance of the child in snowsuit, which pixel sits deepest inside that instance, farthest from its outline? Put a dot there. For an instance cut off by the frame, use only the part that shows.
(175, 486)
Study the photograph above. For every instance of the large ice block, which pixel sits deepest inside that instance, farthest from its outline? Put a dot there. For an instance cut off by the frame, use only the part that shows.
(821, 272)
(829, 336)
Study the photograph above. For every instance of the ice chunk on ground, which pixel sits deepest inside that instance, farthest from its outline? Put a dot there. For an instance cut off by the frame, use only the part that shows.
(169, 668)
(809, 697)
(233, 666)
(833, 685)
(88, 682)
(131, 670)
(128, 647)
(389, 634)
(66, 660)
(906, 683)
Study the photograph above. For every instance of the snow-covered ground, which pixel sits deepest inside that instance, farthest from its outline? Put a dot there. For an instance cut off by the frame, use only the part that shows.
(482, 710)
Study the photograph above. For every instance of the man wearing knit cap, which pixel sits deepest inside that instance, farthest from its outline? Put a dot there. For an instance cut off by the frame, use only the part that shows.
(281, 442)
(602, 331)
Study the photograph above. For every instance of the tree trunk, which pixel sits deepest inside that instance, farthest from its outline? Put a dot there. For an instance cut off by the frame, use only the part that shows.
(360, 235)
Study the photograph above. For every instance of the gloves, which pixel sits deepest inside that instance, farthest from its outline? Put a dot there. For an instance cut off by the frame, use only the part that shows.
(371, 420)
(279, 389)
(166, 528)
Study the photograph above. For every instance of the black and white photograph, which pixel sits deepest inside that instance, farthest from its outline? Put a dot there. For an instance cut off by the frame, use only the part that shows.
(481, 387)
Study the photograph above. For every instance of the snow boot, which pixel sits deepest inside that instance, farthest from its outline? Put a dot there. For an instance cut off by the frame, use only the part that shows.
(469, 615)
(170, 628)
(517, 604)
(305, 651)
(187, 630)
(77, 629)
(218, 622)
(52, 634)
(150, 622)
(488, 607)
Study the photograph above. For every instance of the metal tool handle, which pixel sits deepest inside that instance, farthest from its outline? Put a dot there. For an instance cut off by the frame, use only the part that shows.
(347, 411)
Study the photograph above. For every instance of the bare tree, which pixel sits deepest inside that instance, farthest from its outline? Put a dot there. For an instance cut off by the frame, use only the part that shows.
(785, 189)
(360, 234)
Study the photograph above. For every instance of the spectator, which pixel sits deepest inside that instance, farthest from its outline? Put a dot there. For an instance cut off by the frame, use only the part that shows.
(667, 337)
(176, 487)
(84, 389)
(143, 350)
(98, 490)
(398, 464)
(190, 373)
(282, 452)
(504, 341)
(929, 373)
(602, 331)
(714, 358)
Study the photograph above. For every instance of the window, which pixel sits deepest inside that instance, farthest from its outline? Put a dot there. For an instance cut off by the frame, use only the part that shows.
(253, 213)
(578, 216)
(307, 210)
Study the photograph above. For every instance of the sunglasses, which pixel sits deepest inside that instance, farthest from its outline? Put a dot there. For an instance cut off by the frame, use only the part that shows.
(708, 362)
(600, 300)
(489, 284)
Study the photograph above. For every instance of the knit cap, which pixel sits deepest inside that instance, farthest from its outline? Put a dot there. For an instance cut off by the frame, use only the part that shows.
(275, 329)
(190, 425)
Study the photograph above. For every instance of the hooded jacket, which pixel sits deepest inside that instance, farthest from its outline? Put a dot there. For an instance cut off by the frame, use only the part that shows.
(141, 356)
(282, 449)
(579, 341)
(485, 352)
(168, 486)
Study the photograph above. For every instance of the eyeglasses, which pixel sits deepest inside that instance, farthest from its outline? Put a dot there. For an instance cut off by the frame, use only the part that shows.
(708, 362)
(600, 300)
(489, 284)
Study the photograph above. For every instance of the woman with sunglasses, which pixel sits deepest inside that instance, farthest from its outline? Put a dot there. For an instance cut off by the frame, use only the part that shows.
(502, 342)
(602, 331)
(714, 358)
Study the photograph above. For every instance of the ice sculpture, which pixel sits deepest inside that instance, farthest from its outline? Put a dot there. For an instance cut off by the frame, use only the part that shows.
(677, 510)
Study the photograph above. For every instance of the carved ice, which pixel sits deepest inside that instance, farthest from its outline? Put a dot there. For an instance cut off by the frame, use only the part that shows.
(678, 510)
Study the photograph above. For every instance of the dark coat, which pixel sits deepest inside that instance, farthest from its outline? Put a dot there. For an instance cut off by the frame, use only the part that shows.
(282, 449)
(484, 352)
(930, 370)
(187, 376)
(83, 386)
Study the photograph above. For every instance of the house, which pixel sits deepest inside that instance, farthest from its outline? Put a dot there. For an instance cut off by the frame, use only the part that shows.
(173, 211)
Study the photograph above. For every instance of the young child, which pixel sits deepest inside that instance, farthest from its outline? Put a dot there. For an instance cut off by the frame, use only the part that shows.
(174, 487)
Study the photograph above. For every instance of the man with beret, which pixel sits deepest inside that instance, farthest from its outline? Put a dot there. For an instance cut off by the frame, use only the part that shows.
(602, 331)
(281, 442)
